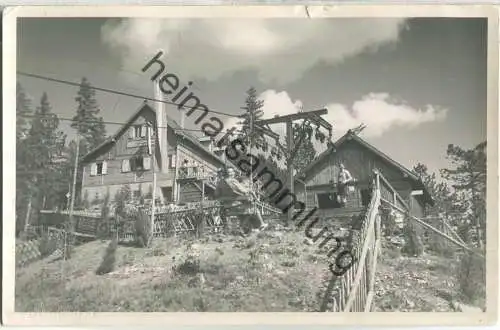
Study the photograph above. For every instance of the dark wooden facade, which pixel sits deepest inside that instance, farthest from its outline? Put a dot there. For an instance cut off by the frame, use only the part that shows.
(114, 164)
(360, 159)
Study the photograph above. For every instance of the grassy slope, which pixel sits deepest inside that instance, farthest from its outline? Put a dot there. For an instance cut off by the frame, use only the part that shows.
(424, 284)
(286, 277)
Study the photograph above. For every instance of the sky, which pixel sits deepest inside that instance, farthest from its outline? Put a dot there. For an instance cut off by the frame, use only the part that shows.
(417, 84)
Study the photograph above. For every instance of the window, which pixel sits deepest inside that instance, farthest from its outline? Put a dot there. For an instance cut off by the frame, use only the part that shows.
(138, 131)
(328, 201)
(126, 165)
(140, 163)
(137, 163)
(171, 161)
(366, 196)
(98, 168)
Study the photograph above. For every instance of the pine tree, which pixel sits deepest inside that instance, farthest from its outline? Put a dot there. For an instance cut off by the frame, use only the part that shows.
(23, 109)
(40, 153)
(253, 112)
(446, 202)
(87, 121)
(468, 178)
(90, 127)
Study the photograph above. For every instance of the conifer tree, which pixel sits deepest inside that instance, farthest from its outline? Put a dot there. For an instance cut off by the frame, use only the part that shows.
(253, 112)
(468, 179)
(90, 127)
(87, 121)
(40, 153)
(23, 109)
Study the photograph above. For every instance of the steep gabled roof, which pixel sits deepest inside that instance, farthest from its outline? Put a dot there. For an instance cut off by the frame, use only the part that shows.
(171, 124)
(349, 136)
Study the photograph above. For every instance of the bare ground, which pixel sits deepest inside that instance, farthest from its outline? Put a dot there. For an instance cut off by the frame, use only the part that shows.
(284, 275)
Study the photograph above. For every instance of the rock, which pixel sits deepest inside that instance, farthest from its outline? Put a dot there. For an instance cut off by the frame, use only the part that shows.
(268, 266)
(197, 280)
(264, 247)
(279, 227)
(308, 241)
(398, 241)
(466, 308)
(410, 304)
(288, 263)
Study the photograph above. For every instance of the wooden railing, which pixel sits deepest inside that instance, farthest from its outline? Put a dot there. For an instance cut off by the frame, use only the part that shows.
(197, 172)
(169, 220)
(355, 289)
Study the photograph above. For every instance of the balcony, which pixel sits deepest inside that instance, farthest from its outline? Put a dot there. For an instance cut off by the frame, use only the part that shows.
(194, 173)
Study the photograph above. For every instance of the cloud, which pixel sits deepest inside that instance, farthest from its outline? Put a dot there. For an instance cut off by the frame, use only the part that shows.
(279, 49)
(380, 114)
(275, 103)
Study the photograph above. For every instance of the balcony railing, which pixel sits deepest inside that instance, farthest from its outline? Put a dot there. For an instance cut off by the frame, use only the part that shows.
(198, 173)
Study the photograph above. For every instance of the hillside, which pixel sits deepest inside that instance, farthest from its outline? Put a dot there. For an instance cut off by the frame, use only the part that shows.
(283, 275)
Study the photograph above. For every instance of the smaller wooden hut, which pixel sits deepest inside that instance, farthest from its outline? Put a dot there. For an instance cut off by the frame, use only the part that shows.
(316, 185)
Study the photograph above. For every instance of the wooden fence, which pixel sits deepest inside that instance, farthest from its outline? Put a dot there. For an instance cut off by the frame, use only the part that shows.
(169, 220)
(354, 290)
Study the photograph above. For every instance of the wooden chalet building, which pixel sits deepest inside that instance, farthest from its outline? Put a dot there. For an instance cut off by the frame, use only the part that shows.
(184, 165)
(316, 184)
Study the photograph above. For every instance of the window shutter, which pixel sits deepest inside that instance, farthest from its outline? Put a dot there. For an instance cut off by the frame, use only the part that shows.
(143, 130)
(93, 169)
(174, 161)
(126, 165)
(104, 167)
(132, 132)
(147, 163)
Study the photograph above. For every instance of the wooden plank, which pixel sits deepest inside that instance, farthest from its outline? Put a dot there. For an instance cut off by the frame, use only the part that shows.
(372, 215)
(369, 299)
(294, 116)
(436, 231)
(453, 231)
(328, 293)
(371, 287)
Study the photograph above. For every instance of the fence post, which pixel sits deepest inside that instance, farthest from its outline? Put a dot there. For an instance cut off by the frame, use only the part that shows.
(377, 179)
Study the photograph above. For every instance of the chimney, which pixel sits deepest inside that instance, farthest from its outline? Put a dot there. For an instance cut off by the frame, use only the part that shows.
(161, 122)
(182, 110)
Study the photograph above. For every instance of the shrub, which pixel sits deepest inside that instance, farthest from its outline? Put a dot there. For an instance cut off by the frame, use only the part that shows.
(472, 277)
(413, 242)
(108, 262)
(142, 229)
(47, 246)
(441, 246)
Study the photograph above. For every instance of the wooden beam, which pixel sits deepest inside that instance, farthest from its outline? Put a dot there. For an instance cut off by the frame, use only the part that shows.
(426, 225)
(290, 176)
(320, 121)
(291, 117)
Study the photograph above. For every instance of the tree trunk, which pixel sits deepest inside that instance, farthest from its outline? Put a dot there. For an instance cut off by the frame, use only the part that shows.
(27, 220)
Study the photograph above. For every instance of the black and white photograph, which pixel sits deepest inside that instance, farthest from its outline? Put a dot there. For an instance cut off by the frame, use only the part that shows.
(265, 159)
